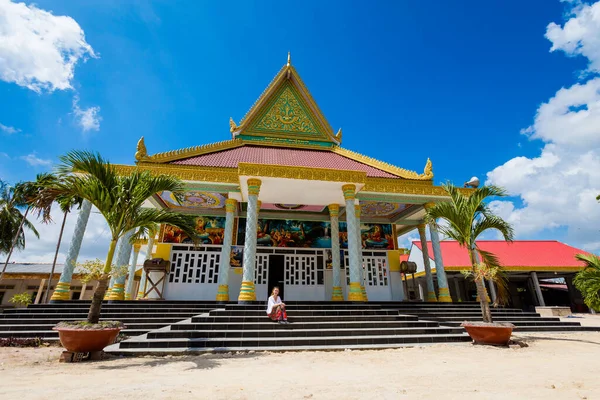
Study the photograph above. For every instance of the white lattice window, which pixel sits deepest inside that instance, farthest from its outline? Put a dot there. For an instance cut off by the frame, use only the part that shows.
(261, 269)
(302, 270)
(376, 272)
(194, 266)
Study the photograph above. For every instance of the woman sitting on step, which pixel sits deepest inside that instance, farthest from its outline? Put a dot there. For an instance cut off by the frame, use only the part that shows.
(276, 308)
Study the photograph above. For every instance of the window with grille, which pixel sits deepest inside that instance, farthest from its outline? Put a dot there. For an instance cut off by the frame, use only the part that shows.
(305, 270)
(195, 266)
(261, 269)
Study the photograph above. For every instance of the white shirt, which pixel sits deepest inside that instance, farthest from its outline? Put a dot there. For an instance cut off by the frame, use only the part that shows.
(272, 302)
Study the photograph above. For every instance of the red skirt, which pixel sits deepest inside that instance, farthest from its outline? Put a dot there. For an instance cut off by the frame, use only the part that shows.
(277, 314)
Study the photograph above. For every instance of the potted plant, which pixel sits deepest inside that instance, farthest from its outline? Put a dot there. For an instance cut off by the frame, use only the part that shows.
(21, 299)
(587, 281)
(119, 198)
(84, 336)
(464, 219)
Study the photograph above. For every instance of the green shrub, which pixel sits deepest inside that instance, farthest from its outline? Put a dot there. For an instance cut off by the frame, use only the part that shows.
(22, 299)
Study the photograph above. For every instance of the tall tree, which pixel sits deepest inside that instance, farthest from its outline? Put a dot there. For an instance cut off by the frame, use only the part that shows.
(466, 218)
(12, 220)
(587, 281)
(119, 198)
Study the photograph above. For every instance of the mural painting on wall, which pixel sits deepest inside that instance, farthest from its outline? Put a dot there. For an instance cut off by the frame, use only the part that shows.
(210, 230)
(289, 233)
(329, 259)
(237, 256)
(372, 236)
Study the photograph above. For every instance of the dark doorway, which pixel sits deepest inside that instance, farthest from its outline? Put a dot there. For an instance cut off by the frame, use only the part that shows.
(276, 268)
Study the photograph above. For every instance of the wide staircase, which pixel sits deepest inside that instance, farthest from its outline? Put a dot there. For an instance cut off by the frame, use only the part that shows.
(314, 326)
(454, 314)
(139, 317)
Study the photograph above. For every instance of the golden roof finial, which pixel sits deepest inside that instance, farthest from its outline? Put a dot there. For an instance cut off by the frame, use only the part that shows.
(141, 152)
(232, 126)
(428, 171)
(338, 135)
(289, 59)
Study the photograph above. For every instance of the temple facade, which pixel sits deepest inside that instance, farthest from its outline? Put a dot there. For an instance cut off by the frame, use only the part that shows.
(282, 203)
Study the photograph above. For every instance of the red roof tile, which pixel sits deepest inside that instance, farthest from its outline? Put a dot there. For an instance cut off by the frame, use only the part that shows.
(282, 156)
(520, 253)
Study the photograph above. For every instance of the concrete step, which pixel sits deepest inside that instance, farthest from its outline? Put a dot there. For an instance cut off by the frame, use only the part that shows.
(266, 325)
(47, 327)
(556, 328)
(105, 315)
(313, 318)
(53, 335)
(55, 320)
(269, 342)
(137, 310)
(520, 323)
(303, 312)
(495, 317)
(291, 331)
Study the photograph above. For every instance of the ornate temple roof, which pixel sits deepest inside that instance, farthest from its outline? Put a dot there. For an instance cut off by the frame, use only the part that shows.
(284, 127)
(281, 156)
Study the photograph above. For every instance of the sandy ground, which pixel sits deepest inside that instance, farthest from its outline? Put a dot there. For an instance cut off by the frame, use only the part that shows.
(553, 366)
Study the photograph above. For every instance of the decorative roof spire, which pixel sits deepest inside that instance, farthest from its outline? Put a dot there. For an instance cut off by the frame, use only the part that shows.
(289, 59)
(141, 152)
(232, 126)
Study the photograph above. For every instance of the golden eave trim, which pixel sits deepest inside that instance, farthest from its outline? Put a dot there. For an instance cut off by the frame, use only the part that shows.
(304, 173)
(193, 151)
(427, 174)
(185, 172)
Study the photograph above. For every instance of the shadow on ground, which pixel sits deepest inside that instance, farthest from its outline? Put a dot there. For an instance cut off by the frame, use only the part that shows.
(201, 361)
(529, 339)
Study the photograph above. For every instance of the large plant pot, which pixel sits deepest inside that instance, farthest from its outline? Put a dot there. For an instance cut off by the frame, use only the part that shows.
(489, 333)
(86, 340)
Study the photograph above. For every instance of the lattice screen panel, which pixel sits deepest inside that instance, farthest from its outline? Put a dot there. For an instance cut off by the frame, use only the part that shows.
(194, 266)
(376, 271)
(301, 270)
(261, 269)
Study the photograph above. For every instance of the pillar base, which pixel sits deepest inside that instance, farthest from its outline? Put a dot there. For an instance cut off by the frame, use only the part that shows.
(117, 292)
(247, 292)
(140, 296)
(355, 292)
(61, 292)
(127, 296)
(364, 293)
(444, 296)
(107, 294)
(337, 294)
(223, 293)
(431, 297)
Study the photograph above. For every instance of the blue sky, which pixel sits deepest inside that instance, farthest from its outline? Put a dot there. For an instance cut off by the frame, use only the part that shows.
(453, 81)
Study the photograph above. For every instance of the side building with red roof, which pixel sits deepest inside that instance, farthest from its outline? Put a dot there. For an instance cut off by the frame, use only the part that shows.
(539, 272)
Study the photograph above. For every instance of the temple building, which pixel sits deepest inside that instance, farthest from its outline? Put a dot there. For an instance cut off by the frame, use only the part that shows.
(281, 202)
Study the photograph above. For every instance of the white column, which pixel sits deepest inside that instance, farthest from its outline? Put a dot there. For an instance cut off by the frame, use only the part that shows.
(440, 272)
(359, 248)
(334, 212)
(223, 290)
(538, 289)
(131, 275)
(457, 288)
(123, 256)
(354, 290)
(247, 290)
(428, 277)
(142, 286)
(62, 290)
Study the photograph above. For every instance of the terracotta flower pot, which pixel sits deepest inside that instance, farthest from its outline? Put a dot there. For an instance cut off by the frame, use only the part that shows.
(489, 333)
(86, 340)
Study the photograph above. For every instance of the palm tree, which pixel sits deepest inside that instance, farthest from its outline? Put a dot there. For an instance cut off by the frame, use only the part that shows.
(467, 217)
(119, 198)
(587, 281)
(12, 220)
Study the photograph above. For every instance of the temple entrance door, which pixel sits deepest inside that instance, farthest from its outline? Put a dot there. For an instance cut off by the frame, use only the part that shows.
(276, 269)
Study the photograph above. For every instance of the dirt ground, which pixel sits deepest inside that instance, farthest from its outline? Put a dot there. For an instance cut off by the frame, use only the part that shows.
(553, 366)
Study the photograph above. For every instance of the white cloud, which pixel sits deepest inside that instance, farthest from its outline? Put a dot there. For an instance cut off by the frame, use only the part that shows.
(39, 50)
(35, 161)
(95, 241)
(580, 35)
(558, 188)
(88, 119)
(9, 130)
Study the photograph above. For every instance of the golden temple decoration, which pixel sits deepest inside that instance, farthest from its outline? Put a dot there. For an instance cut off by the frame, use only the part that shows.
(334, 210)
(232, 126)
(392, 169)
(289, 62)
(338, 136)
(311, 174)
(184, 172)
(349, 192)
(286, 115)
(193, 151)
(141, 152)
(254, 187)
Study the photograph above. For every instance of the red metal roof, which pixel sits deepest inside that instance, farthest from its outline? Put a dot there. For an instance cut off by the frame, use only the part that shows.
(282, 156)
(520, 253)
(403, 257)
